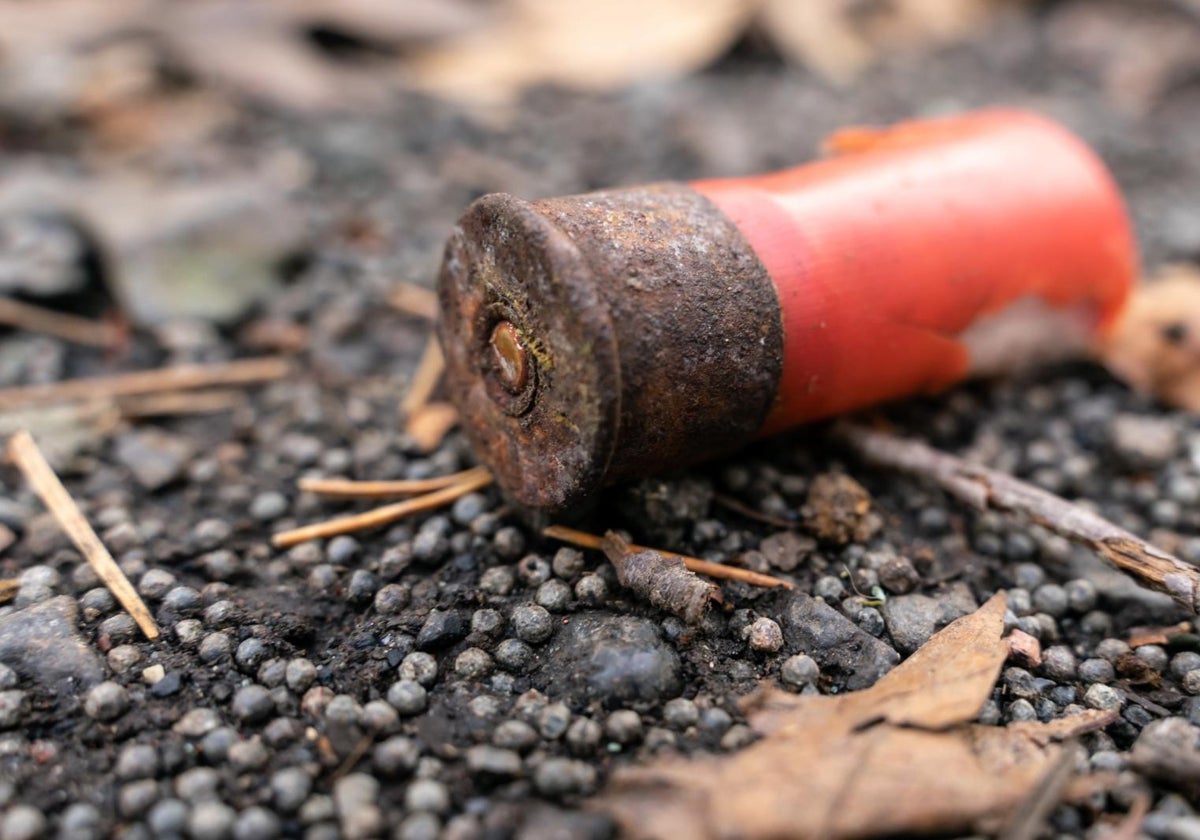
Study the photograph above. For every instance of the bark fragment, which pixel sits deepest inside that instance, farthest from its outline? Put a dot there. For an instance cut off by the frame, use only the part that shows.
(663, 581)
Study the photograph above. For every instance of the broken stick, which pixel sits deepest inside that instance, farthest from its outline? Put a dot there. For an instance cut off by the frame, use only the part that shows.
(26, 316)
(988, 489)
(26, 455)
(663, 581)
(381, 515)
(694, 564)
(175, 378)
(342, 488)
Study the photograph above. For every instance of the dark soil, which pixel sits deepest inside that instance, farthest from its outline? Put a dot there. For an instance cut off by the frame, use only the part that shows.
(370, 611)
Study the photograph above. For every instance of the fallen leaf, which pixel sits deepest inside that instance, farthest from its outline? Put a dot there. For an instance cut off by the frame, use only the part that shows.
(841, 38)
(848, 765)
(1155, 346)
(585, 44)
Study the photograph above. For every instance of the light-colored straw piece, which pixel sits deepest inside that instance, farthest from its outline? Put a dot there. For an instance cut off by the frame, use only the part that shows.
(381, 515)
(342, 488)
(38, 319)
(174, 378)
(26, 455)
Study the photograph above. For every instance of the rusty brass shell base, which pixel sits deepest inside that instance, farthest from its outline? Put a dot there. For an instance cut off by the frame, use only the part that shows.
(599, 337)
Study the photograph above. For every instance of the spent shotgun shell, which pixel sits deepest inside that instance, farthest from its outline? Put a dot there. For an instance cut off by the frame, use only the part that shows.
(612, 335)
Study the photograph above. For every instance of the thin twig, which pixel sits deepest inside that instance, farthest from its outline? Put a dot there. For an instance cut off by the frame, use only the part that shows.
(985, 488)
(742, 509)
(429, 424)
(695, 564)
(25, 453)
(382, 515)
(176, 378)
(38, 319)
(664, 581)
(342, 488)
(425, 378)
(8, 590)
(412, 299)
(180, 402)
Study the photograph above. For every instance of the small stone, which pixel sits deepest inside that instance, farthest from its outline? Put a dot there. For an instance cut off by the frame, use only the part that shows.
(441, 628)
(554, 595)
(391, 599)
(418, 666)
(81, 821)
(624, 726)
(680, 714)
(568, 563)
(300, 674)
(591, 589)
(379, 716)
(497, 580)
(1096, 671)
(135, 798)
(1155, 657)
(898, 575)
(553, 721)
(197, 723)
(1024, 649)
(12, 706)
(256, 823)
(211, 820)
(514, 655)
(473, 663)
(1191, 681)
(584, 735)
(215, 648)
(1051, 599)
(137, 761)
(107, 701)
(252, 704)
(838, 510)
(487, 622)
(763, 635)
(154, 674)
(799, 671)
(268, 506)
(42, 643)
(155, 457)
(408, 697)
(1081, 595)
(532, 623)
(1144, 442)
(739, 735)
(515, 735)
(1103, 697)
(427, 795)
(290, 787)
(420, 826)
(168, 818)
(22, 822)
(558, 777)
(829, 588)
(1184, 661)
(1058, 663)
(396, 756)
(197, 784)
(508, 543)
(493, 762)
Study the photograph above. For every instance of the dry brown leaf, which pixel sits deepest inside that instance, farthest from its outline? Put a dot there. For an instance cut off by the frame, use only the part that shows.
(841, 38)
(848, 766)
(585, 44)
(1155, 347)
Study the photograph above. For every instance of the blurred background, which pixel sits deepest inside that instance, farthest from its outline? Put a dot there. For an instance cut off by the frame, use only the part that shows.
(268, 172)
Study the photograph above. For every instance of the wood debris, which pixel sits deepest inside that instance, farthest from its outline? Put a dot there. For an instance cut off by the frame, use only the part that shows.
(1155, 347)
(987, 489)
(175, 378)
(840, 766)
(342, 488)
(383, 515)
(38, 319)
(8, 590)
(694, 564)
(663, 581)
(25, 454)
(838, 510)
(426, 422)
(412, 299)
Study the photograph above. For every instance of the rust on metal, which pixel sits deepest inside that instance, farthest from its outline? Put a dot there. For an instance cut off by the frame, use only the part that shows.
(597, 337)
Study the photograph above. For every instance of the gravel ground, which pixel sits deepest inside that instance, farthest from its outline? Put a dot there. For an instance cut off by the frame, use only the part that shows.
(459, 676)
